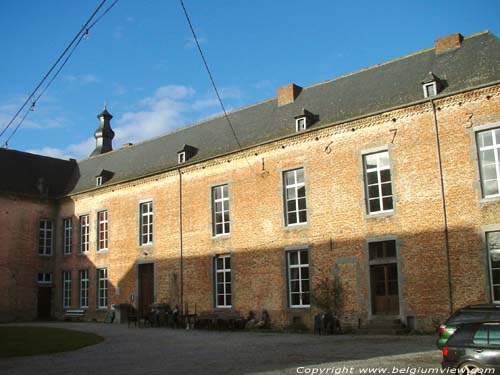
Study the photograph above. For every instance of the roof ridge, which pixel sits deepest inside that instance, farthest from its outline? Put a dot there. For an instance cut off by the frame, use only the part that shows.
(33, 155)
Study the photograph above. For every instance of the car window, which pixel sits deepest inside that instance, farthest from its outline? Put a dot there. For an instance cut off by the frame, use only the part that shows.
(469, 316)
(481, 336)
(494, 335)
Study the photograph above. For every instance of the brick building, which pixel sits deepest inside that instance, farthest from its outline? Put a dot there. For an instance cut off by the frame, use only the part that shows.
(386, 181)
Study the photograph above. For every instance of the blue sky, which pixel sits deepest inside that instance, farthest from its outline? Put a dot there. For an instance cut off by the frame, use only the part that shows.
(142, 60)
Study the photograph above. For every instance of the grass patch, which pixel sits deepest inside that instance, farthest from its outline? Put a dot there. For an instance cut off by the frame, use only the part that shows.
(24, 341)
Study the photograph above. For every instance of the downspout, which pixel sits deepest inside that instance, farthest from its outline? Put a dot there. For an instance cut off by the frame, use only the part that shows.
(445, 213)
(181, 263)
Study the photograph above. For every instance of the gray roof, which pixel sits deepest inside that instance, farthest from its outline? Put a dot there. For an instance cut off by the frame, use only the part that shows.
(386, 86)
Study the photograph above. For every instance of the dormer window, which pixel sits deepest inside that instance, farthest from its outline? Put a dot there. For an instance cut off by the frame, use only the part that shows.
(431, 85)
(102, 177)
(303, 120)
(181, 157)
(300, 124)
(186, 153)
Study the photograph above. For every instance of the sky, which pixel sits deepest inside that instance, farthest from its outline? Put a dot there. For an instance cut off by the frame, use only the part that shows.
(140, 59)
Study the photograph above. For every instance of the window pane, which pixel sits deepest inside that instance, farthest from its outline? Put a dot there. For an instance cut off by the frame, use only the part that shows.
(228, 288)
(225, 192)
(302, 204)
(305, 272)
(300, 175)
(306, 299)
(489, 172)
(305, 285)
(301, 191)
(218, 218)
(481, 336)
(294, 274)
(387, 203)
(218, 206)
(485, 138)
(220, 263)
(496, 276)
(294, 286)
(228, 277)
(217, 193)
(383, 159)
(294, 258)
(291, 193)
(371, 161)
(226, 216)
(226, 227)
(290, 178)
(291, 206)
(372, 178)
(373, 191)
(220, 300)
(304, 259)
(303, 216)
(490, 187)
(228, 300)
(220, 288)
(494, 335)
(385, 175)
(292, 218)
(386, 189)
(374, 205)
(487, 156)
(295, 299)
(218, 229)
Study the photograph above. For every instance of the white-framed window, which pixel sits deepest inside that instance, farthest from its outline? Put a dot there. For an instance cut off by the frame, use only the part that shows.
(181, 157)
(295, 197)
(102, 230)
(493, 245)
(220, 208)
(102, 288)
(84, 233)
(489, 161)
(66, 276)
(378, 182)
(44, 278)
(223, 294)
(298, 278)
(146, 224)
(301, 124)
(67, 236)
(430, 89)
(45, 237)
(98, 181)
(83, 281)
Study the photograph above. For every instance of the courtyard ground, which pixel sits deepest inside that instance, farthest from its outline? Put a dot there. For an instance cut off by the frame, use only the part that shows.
(148, 351)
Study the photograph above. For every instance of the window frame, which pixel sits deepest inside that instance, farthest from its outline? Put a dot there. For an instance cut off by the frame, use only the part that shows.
(98, 181)
(490, 253)
(224, 271)
(84, 234)
(43, 280)
(149, 234)
(225, 203)
(83, 288)
(181, 157)
(495, 147)
(67, 289)
(301, 127)
(46, 249)
(67, 235)
(102, 286)
(426, 87)
(378, 169)
(300, 279)
(103, 243)
(296, 186)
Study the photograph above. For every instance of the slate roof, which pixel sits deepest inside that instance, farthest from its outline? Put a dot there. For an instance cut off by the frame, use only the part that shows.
(396, 83)
(22, 173)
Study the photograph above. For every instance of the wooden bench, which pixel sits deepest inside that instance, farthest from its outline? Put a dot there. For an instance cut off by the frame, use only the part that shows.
(74, 314)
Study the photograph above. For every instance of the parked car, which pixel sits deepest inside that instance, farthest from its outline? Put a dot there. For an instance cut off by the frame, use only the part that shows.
(469, 314)
(473, 349)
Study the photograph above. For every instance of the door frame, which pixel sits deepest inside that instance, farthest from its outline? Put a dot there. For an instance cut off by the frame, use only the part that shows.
(369, 263)
(51, 296)
(138, 281)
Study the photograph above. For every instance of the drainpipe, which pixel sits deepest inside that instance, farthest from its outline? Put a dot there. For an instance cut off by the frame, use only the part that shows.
(181, 242)
(443, 199)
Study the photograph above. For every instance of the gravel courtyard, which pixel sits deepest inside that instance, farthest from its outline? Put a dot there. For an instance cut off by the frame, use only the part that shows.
(148, 351)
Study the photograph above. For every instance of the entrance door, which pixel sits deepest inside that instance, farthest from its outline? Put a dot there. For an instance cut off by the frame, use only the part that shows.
(43, 304)
(384, 283)
(146, 287)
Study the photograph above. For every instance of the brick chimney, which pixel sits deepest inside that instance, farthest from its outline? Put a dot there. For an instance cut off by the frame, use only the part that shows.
(287, 94)
(448, 42)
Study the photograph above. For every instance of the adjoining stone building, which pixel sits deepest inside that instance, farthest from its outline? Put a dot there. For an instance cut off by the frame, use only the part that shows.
(386, 179)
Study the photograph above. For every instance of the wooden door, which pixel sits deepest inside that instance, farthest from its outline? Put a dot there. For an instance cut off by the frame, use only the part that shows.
(384, 283)
(146, 287)
(43, 302)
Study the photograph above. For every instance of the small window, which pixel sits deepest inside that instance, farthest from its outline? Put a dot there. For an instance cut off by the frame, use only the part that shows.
(45, 237)
(102, 230)
(220, 209)
(430, 89)
(181, 157)
(382, 250)
(295, 197)
(301, 124)
(66, 276)
(223, 281)
(98, 181)
(44, 278)
(102, 288)
(298, 278)
(146, 224)
(488, 143)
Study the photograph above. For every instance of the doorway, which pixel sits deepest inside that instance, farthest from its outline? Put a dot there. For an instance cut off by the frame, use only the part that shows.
(384, 283)
(44, 302)
(146, 288)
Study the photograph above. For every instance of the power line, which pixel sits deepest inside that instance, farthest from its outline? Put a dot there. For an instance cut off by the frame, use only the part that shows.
(83, 32)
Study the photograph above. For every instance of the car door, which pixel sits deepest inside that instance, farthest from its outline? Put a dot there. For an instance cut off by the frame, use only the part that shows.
(487, 345)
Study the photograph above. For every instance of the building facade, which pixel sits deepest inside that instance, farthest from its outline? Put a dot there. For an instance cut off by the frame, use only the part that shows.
(384, 183)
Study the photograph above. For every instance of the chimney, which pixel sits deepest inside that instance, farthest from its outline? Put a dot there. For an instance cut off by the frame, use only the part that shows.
(287, 94)
(448, 42)
(104, 134)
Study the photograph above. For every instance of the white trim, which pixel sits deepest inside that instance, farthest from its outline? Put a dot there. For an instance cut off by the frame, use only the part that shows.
(301, 124)
(181, 157)
(84, 233)
(98, 181)
(224, 271)
(378, 169)
(225, 208)
(495, 149)
(293, 189)
(102, 244)
(104, 288)
(428, 85)
(300, 279)
(44, 280)
(146, 223)
(489, 254)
